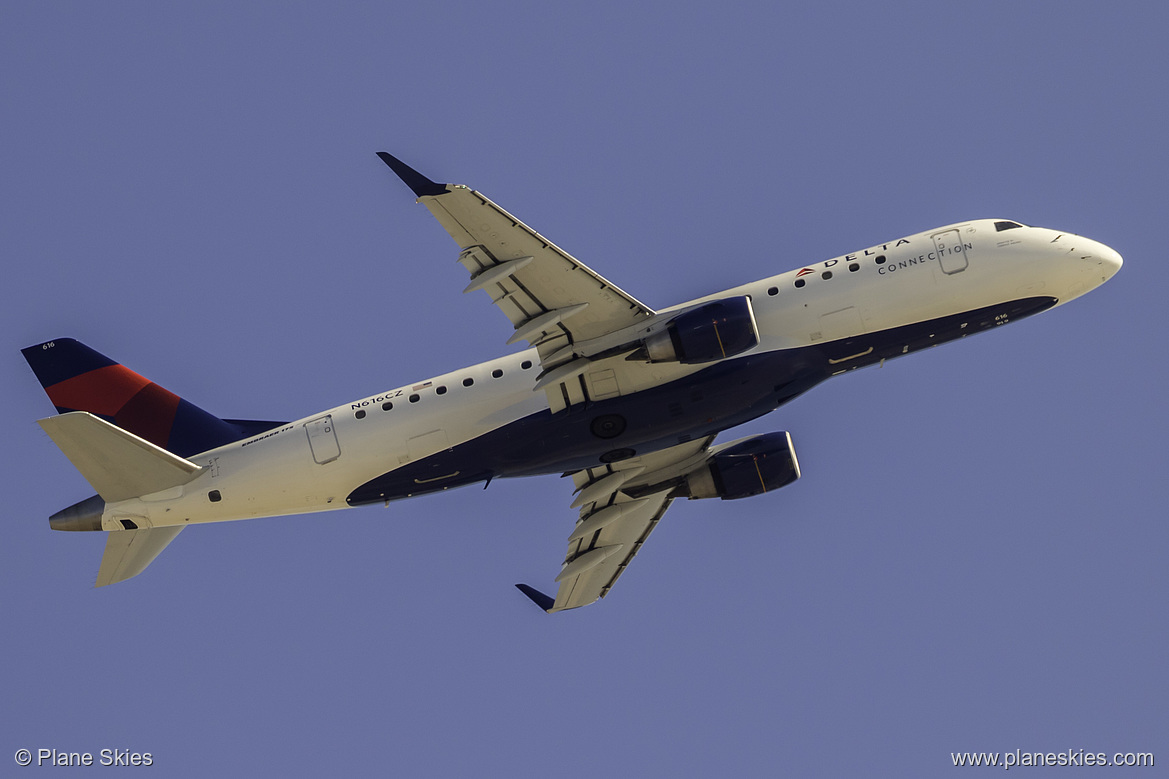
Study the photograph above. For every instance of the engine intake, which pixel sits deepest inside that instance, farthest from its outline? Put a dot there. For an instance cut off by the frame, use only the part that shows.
(713, 331)
(753, 466)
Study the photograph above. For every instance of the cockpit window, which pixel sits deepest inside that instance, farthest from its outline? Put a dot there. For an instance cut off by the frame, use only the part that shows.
(1000, 226)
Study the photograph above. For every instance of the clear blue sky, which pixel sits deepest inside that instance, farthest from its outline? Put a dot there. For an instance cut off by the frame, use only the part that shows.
(974, 560)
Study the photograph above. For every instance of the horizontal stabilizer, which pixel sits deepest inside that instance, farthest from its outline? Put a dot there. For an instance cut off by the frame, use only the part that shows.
(128, 552)
(117, 463)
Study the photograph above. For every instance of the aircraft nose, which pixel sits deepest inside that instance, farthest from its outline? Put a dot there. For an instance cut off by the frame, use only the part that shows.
(1102, 261)
(1109, 258)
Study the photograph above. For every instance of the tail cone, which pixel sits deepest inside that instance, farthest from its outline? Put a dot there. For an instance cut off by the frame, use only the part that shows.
(85, 515)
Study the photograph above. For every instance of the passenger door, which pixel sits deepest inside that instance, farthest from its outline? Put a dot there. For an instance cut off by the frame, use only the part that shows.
(951, 252)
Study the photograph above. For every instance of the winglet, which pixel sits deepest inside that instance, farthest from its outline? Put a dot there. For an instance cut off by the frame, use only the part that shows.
(420, 185)
(537, 597)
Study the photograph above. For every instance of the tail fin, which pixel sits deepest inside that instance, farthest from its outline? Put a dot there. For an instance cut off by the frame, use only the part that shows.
(76, 378)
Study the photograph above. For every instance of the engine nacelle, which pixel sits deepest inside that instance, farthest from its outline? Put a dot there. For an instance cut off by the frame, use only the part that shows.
(753, 466)
(721, 328)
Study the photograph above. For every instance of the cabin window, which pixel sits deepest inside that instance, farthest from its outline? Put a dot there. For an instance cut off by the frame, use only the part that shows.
(415, 398)
(526, 364)
(854, 267)
(800, 283)
(880, 259)
(826, 274)
(495, 374)
(440, 390)
(360, 414)
(468, 382)
(387, 406)
(773, 291)
(214, 496)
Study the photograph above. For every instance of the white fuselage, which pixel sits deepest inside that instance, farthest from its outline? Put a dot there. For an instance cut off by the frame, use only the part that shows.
(316, 463)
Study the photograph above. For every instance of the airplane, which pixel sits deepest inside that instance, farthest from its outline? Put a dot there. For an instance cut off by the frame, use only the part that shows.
(624, 399)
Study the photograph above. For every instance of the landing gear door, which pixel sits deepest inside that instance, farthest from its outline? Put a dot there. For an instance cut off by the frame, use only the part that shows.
(951, 252)
(322, 439)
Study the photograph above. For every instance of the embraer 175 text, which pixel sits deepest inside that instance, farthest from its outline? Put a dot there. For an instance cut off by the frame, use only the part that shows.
(626, 399)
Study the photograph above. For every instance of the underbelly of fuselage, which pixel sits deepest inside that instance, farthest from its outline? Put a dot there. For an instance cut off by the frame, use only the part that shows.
(722, 396)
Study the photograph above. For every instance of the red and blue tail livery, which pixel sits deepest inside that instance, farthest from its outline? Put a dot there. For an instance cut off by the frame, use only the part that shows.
(625, 399)
(77, 378)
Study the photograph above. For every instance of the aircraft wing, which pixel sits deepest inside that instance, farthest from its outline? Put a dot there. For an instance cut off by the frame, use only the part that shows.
(620, 505)
(552, 299)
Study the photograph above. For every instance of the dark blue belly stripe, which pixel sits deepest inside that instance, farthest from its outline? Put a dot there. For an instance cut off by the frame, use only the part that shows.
(722, 396)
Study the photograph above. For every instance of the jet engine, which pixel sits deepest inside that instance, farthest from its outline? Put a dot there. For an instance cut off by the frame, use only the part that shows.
(712, 331)
(744, 468)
